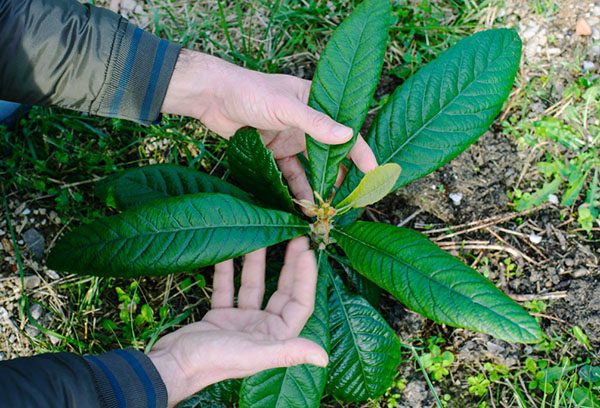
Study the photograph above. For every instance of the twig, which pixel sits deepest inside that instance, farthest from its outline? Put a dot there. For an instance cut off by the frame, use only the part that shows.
(540, 296)
(410, 218)
(477, 225)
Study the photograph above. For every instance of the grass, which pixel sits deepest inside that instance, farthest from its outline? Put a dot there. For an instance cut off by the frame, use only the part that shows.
(53, 157)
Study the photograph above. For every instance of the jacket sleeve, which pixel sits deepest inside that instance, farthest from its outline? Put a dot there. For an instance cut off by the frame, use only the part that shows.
(82, 57)
(117, 379)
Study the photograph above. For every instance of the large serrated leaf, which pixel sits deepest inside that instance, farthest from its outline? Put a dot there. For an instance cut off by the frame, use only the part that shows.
(172, 235)
(139, 185)
(254, 167)
(344, 83)
(365, 351)
(222, 394)
(433, 283)
(444, 108)
(375, 185)
(299, 386)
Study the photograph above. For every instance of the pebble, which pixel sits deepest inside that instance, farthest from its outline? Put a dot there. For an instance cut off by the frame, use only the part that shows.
(36, 311)
(456, 198)
(569, 262)
(51, 274)
(2, 232)
(35, 242)
(3, 314)
(552, 199)
(53, 340)
(2, 356)
(583, 27)
(535, 239)
(26, 211)
(595, 34)
(580, 273)
(32, 331)
(32, 282)
(20, 208)
(588, 65)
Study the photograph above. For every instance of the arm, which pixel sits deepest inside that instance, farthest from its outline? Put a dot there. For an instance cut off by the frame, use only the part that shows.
(61, 380)
(82, 57)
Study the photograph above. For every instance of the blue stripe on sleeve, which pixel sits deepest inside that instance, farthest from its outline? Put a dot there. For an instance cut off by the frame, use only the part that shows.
(124, 79)
(156, 67)
(141, 373)
(118, 392)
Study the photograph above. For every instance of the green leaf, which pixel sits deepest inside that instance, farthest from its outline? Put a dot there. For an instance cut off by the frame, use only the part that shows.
(375, 185)
(344, 83)
(172, 235)
(433, 283)
(254, 167)
(442, 109)
(299, 386)
(572, 192)
(139, 185)
(221, 394)
(528, 200)
(365, 352)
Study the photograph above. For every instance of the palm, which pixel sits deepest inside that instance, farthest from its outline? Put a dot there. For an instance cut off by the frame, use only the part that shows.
(235, 342)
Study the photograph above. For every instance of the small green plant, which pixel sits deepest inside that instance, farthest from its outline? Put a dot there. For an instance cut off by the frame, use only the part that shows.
(436, 362)
(572, 159)
(177, 219)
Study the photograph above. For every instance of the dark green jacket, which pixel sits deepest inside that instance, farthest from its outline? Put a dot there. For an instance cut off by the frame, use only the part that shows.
(82, 57)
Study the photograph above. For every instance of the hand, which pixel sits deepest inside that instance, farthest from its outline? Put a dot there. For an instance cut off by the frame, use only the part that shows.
(237, 342)
(225, 97)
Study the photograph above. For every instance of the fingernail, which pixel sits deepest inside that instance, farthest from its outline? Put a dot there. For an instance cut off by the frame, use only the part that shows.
(341, 132)
(316, 359)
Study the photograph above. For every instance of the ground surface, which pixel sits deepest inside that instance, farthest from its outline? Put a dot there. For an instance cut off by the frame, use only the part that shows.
(539, 255)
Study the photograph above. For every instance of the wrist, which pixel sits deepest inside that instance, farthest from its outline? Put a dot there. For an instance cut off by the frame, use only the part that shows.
(193, 87)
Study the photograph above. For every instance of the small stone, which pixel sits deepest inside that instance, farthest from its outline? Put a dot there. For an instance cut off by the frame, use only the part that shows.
(32, 331)
(456, 198)
(569, 262)
(3, 314)
(26, 211)
(588, 65)
(2, 232)
(53, 340)
(2, 356)
(32, 282)
(35, 242)
(42, 211)
(583, 27)
(36, 311)
(580, 273)
(20, 208)
(51, 274)
(595, 34)
(530, 32)
(535, 239)
(548, 284)
(552, 199)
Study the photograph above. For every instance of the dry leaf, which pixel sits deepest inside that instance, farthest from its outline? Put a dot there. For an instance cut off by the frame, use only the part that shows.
(583, 27)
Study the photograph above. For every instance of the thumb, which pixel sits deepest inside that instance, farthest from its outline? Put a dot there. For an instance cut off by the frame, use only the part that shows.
(317, 124)
(293, 352)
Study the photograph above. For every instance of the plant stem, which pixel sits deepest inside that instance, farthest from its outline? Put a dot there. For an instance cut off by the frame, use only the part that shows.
(437, 399)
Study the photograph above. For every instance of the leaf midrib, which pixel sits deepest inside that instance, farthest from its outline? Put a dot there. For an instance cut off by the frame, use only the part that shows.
(174, 231)
(345, 83)
(431, 279)
(417, 133)
(354, 341)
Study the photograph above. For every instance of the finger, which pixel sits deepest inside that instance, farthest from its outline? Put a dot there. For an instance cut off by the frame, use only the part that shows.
(296, 177)
(341, 176)
(286, 278)
(318, 125)
(297, 311)
(362, 155)
(223, 289)
(252, 289)
(292, 352)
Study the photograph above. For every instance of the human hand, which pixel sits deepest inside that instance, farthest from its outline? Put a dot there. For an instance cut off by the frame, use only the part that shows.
(232, 342)
(225, 98)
